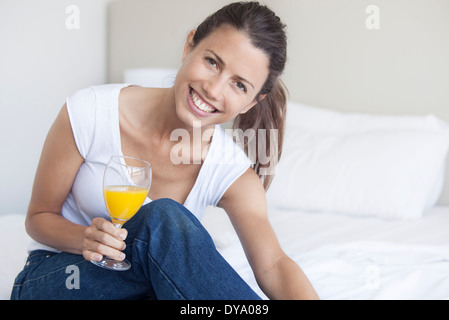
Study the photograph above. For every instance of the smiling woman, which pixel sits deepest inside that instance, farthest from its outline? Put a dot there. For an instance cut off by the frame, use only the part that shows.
(230, 70)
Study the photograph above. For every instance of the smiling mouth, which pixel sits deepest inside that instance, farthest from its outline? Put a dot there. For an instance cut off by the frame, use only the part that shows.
(200, 104)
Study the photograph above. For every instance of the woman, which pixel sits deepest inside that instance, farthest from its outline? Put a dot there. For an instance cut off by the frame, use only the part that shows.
(230, 70)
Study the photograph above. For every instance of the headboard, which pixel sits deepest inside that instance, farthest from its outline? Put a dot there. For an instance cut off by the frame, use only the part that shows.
(376, 56)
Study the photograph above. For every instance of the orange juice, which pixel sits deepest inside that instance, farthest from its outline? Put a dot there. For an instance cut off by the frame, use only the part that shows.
(123, 202)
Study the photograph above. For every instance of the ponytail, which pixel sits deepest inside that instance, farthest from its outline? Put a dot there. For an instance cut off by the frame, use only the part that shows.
(266, 122)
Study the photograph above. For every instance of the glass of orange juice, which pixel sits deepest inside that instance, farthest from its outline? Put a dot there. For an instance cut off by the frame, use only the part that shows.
(126, 183)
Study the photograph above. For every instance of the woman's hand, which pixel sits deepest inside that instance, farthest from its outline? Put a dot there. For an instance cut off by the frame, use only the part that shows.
(102, 238)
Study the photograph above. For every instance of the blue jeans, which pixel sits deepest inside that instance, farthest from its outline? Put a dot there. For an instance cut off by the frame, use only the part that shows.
(172, 257)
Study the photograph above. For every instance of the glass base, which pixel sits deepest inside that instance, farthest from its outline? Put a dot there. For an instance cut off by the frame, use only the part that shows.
(110, 264)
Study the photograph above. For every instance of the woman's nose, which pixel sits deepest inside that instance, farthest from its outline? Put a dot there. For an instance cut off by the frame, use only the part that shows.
(214, 87)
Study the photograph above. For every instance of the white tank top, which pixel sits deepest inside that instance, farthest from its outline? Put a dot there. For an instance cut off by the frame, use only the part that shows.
(94, 118)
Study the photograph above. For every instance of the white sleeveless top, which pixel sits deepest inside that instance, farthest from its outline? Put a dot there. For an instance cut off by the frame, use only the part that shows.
(94, 118)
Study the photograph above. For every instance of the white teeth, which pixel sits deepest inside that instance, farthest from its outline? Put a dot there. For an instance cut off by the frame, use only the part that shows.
(200, 104)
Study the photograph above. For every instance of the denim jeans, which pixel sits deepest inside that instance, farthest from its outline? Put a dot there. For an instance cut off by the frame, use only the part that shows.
(172, 257)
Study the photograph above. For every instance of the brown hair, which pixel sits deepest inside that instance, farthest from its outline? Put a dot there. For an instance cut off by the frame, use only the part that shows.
(266, 32)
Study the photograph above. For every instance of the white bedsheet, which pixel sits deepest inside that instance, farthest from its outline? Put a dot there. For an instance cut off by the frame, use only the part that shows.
(351, 257)
(344, 257)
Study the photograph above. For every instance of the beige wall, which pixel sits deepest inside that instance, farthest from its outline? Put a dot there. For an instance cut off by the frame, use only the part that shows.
(335, 61)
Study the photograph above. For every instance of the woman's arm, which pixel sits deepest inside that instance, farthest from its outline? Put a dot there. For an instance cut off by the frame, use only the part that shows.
(59, 163)
(277, 275)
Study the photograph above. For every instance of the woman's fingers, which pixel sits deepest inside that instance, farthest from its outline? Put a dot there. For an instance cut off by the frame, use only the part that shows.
(106, 226)
(95, 250)
(102, 238)
(105, 235)
(92, 256)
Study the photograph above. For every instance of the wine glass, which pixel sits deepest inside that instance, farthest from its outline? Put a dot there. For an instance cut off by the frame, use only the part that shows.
(126, 183)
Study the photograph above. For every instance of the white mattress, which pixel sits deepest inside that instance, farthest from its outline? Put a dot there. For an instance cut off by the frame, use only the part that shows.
(344, 257)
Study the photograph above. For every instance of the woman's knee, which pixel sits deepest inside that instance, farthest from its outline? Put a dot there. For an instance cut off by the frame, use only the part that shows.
(166, 217)
(167, 210)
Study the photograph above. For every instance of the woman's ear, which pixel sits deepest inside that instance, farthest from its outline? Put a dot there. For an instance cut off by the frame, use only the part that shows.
(189, 44)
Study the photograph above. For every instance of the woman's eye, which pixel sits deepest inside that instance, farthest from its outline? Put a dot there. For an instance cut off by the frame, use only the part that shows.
(211, 61)
(240, 86)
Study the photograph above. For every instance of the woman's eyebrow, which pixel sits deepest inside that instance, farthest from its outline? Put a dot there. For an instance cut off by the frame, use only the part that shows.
(220, 60)
(217, 57)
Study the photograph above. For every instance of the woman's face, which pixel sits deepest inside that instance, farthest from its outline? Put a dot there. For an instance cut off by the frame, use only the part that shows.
(219, 77)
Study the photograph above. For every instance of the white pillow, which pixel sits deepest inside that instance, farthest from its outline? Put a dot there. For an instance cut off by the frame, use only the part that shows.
(359, 164)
